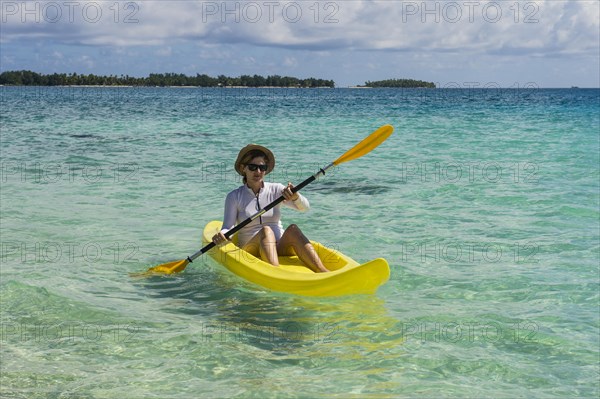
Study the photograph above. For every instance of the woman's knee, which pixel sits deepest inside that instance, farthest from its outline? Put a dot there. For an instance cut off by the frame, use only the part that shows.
(267, 232)
(293, 228)
(295, 231)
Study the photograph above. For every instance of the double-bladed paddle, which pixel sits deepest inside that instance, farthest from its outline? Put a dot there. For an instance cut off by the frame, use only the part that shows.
(360, 149)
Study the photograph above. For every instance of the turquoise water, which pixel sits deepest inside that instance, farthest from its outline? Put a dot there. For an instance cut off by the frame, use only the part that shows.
(484, 202)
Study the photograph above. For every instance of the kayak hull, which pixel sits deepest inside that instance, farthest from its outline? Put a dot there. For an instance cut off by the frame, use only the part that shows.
(347, 276)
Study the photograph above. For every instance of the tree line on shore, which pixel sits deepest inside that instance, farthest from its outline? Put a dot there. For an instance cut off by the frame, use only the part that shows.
(29, 78)
(401, 83)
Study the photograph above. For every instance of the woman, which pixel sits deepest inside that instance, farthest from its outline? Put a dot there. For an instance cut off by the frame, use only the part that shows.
(265, 236)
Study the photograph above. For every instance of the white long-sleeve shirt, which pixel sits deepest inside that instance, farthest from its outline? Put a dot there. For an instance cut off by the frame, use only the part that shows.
(242, 203)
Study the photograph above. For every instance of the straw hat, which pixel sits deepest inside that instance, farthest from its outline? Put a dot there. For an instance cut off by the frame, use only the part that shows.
(253, 147)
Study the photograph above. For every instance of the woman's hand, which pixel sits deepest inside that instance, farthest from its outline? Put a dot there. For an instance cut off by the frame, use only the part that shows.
(288, 194)
(219, 239)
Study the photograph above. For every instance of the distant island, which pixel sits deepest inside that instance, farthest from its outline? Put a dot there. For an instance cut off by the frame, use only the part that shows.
(401, 83)
(29, 78)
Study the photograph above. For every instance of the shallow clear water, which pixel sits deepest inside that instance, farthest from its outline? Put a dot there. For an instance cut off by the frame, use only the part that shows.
(484, 202)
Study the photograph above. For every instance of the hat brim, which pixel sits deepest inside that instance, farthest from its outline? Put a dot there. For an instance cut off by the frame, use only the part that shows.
(252, 147)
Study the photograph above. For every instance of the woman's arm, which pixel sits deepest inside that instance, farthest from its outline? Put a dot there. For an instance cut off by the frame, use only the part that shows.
(230, 213)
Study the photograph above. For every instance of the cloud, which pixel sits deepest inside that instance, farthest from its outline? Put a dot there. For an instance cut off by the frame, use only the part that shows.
(348, 41)
(290, 62)
(85, 61)
(164, 51)
(477, 26)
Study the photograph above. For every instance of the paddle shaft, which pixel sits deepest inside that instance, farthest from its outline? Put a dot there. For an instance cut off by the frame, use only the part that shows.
(261, 212)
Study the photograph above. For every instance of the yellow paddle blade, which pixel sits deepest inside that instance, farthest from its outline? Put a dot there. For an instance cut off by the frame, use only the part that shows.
(165, 268)
(368, 144)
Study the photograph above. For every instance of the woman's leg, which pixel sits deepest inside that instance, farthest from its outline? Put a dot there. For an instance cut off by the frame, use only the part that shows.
(294, 242)
(263, 244)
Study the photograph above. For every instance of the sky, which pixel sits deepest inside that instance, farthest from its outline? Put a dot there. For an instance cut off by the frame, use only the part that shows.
(468, 43)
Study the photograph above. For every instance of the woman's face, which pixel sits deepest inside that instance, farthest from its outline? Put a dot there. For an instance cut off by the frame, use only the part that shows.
(257, 175)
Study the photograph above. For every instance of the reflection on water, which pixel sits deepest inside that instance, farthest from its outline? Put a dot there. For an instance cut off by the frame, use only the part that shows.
(232, 311)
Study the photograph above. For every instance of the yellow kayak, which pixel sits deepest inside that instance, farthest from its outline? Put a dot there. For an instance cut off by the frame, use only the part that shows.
(346, 277)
